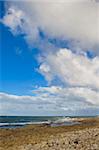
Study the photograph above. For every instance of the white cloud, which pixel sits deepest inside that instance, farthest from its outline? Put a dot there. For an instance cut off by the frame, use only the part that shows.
(65, 94)
(76, 21)
(53, 100)
(72, 69)
(19, 23)
(13, 19)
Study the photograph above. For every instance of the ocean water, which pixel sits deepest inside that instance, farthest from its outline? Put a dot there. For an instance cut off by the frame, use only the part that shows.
(20, 121)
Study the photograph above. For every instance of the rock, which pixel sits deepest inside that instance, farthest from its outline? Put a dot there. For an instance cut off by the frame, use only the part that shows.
(76, 141)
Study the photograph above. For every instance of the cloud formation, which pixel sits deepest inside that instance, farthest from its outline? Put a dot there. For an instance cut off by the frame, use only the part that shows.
(72, 69)
(75, 21)
(52, 100)
(17, 22)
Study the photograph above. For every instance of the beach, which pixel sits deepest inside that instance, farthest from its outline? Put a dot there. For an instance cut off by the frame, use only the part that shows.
(82, 136)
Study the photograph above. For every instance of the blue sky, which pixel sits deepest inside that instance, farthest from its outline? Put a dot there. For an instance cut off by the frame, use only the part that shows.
(49, 61)
(18, 63)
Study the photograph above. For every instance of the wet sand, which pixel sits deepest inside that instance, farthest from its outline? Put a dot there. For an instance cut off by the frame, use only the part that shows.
(84, 136)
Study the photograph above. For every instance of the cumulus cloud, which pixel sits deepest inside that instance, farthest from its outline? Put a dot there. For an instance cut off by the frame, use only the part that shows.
(72, 69)
(19, 23)
(78, 72)
(75, 21)
(78, 22)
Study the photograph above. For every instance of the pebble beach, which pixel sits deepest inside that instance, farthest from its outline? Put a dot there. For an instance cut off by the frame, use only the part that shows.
(82, 136)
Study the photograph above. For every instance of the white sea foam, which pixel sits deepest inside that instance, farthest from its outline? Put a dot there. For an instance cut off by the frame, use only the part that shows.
(50, 121)
(22, 123)
(64, 119)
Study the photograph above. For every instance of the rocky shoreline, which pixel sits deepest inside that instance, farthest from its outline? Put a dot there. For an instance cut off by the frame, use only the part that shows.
(84, 136)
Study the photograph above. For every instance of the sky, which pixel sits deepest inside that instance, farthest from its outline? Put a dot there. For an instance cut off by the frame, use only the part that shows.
(49, 57)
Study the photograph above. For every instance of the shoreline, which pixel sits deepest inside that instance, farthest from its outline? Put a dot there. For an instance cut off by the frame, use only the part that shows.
(45, 137)
(64, 120)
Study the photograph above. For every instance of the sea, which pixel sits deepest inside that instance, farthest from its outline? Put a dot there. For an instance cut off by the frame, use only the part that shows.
(21, 121)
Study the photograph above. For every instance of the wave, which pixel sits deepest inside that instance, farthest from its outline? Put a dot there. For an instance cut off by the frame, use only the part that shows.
(23, 123)
(64, 119)
(55, 121)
